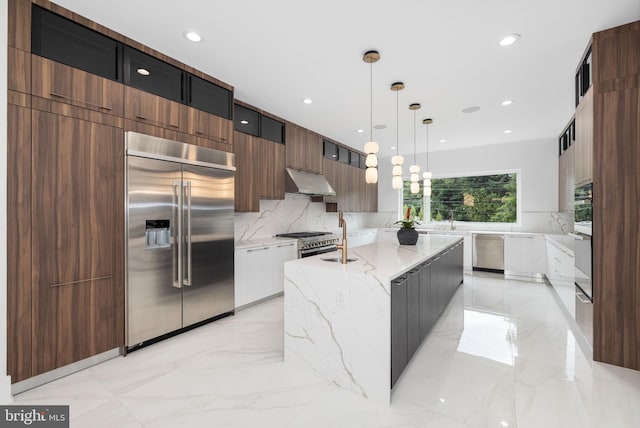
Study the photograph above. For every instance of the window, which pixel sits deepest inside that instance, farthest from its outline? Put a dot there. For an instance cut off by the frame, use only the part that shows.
(482, 198)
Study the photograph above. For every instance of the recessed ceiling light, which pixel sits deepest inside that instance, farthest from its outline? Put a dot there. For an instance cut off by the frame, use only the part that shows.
(360, 131)
(392, 147)
(443, 141)
(143, 71)
(509, 40)
(244, 122)
(471, 109)
(380, 127)
(506, 102)
(307, 101)
(193, 36)
(508, 131)
(504, 423)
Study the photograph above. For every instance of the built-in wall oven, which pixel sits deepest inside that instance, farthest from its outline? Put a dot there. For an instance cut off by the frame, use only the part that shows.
(583, 251)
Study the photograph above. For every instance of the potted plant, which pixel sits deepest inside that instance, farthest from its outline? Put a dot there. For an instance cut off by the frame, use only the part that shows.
(407, 235)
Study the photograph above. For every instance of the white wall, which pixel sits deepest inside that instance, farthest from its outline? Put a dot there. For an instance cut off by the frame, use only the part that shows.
(5, 382)
(537, 164)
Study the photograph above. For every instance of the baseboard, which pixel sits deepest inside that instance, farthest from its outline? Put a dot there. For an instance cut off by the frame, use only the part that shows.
(257, 302)
(5, 390)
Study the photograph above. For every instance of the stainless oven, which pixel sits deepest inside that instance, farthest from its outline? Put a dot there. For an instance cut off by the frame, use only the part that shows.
(583, 208)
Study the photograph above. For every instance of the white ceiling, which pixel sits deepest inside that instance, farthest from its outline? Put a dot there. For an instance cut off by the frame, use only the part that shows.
(278, 52)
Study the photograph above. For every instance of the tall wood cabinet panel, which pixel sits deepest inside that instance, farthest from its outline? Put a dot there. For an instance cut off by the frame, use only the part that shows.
(371, 192)
(247, 188)
(18, 70)
(59, 82)
(271, 169)
(566, 179)
(153, 110)
(19, 22)
(583, 153)
(77, 225)
(616, 193)
(330, 172)
(19, 320)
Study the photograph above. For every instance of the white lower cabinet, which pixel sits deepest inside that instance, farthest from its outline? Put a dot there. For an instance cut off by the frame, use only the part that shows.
(524, 255)
(560, 272)
(259, 271)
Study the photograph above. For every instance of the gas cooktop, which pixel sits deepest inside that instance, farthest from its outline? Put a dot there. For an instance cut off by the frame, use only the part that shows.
(302, 234)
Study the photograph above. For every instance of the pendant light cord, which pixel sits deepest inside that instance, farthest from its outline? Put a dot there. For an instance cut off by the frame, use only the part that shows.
(371, 101)
(427, 147)
(414, 137)
(397, 124)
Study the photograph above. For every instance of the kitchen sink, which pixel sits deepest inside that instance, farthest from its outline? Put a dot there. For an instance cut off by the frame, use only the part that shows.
(338, 260)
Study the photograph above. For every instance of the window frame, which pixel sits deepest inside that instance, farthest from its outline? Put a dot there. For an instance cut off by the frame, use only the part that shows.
(471, 224)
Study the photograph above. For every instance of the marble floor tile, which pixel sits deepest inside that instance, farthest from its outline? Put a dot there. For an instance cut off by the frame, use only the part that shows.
(501, 355)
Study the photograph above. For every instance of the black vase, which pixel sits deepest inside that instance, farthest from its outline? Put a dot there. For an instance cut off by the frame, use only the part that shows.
(407, 236)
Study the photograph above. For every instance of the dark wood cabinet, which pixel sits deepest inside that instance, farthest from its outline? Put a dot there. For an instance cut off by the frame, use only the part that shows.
(210, 127)
(78, 204)
(143, 71)
(583, 152)
(616, 196)
(303, 149)
(209, 97)
(58, 82)
(271, 169)
(18, 70)
(247, 186)
(19, 319)
(151, 109)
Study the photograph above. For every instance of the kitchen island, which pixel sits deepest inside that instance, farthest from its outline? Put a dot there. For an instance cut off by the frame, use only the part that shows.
(357, 325)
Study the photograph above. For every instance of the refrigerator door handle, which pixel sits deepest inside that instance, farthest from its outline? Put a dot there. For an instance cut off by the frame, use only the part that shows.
(177, 225)
(187, 279)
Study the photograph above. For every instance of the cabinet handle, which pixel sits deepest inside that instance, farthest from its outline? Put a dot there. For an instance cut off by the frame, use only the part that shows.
(521, 237)
(199, 133)
(66, 97)
(286, 245)
(251, 250)
(79, 281)
(141, 117)
(174, 126)
(582, 298)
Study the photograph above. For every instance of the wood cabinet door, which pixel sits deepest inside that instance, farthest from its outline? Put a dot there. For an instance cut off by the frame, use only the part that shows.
(78, 239)
(154, 110)
(342, 190)
(294, 141)
(59, 82)
(247, 195)
(209, 126)
(330, 172)
(371, 196)
(313, 152)
(584, 140)
(271, 169)
(18, 243)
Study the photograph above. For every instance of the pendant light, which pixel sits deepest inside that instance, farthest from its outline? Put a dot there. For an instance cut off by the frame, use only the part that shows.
(371, 148)
(414, 169)
(397, 160)
(426, 184)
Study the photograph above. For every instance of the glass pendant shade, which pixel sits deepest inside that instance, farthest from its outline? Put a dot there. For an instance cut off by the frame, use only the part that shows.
(371, 175)
(415, 178)
(415, 187)
(371, 161)
(427, 190)
(397, 170)
(397, 160)
(396, 182)
(426, 182)
(414, 169)
(427, 174)
(371, 147)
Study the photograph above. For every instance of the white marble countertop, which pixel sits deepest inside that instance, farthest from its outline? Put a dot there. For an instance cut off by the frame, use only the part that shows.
(566, 241)
(253, 243)
(385, 259)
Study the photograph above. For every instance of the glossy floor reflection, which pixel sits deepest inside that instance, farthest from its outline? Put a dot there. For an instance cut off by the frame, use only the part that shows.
(502, 355)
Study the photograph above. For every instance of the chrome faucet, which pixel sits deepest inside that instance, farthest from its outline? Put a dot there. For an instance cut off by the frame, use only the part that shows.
(343, 246)
(451, 226)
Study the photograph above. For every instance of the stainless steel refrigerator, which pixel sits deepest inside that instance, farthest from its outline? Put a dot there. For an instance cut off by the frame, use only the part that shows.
(180, 233)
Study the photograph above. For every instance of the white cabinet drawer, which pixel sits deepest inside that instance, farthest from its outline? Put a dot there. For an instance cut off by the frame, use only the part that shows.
(524, 254)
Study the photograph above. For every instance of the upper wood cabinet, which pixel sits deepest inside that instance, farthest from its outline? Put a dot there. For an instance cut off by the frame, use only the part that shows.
(154, 110)
(59, 82)
(18, 70)
(271, 169)
(247, 188)
(210, 126)
(303, 149)
(583, 155)
(77, 197)
(566, 180)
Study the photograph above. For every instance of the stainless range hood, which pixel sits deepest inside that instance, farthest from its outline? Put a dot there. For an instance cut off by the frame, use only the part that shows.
(307, 183)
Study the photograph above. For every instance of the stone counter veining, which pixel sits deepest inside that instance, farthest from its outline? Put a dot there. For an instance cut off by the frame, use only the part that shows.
(337, 318)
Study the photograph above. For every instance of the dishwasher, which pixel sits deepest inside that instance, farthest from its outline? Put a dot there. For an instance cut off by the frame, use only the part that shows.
(488, 252)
